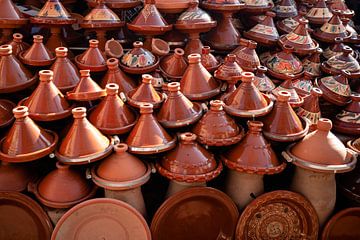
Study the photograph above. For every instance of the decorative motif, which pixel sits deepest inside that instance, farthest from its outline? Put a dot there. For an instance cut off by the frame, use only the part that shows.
(133, 60)
(147, 11)
(313, 117)
(196, 15)
(303, 84)
(339, 64)
(321, 13)
(53, 10)
(349, 117)
(282, 66)
(336, 87)
(256, 2)
(263, 85)
(285, 9)
(311, 67)
(290, 23)
(299, 39)
(101, 14)
(266, 30)
(333, 29)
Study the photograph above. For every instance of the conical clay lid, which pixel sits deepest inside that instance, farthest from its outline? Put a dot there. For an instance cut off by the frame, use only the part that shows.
(319, 14)
(348, 121)
(311, 108)
(174, 65)
(229, 70)
(37, 55)
(295, 100)
(208, 60)
(285, 9)
(92, 59)
(18, 45)
(101, 17)
(53, 12)
(262, 81)
(312, 63)
(10, 14)
(6, 116)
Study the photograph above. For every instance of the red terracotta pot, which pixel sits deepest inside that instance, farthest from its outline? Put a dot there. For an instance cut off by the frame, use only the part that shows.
(37, 55)
(92, 59)
(15, 177)
(18, 45)
(208, 60)
(347, 120)
(173, 66)
(311, 108)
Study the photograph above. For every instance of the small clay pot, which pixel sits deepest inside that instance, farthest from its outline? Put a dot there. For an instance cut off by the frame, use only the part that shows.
(304, 84)
(159, 47)
(92, 59)
(246, 55)
(173, 66)
(263, 82)
(18, 45)
(288, 86)
(37, 55)
(208, 60)
(319, 14)
(113, 48)
(15, 177)
(285, 9)
(312, 63)
(288, 25)
(229, 71)
(311, 108)
(335, 49)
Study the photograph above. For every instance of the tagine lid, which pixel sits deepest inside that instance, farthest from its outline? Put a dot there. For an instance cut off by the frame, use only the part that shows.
(117, 4)
(347, 121)
(271, 214)
(295, 100)
(35, 223)
(37, 55)
(246, 55)
(223, 5)
(220, 218)
(14, 177)
(102, 217)
(262, 81)
(53, 13)
(285, 9)
(17, 44)
(257, 6)
(312, 63)
(229, 70)
(208, 60)
(92, 59)
(287, 25)
(175, 6)
(6, 115)
(10, 15)
(319, 14)
(311, 108)
(174, 65)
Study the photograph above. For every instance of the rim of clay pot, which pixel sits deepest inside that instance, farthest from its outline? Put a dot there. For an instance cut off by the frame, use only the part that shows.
(290, 137)
(149, 29)
(298, 48)
(12, 105)
(263, 41)
(160, 47)
(257, 9)
(299, 103)
(329, 70)
(109, 52)
(334, 100)
(223, 7)
(213, 142)
(284, 76)
(152, 150)
(348, 128)
(328, 38)
(21, 86)
(205, 95)
(36, 63)
(137, 104)
(86, 96)
(141, 70)
(166, 7)
(82, 66)
(350, 144)
(52, 21)
(185, 122)
(196, 27)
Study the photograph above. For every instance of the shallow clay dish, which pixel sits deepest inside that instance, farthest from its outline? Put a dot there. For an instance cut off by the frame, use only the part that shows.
(102, 218)
(199, 213)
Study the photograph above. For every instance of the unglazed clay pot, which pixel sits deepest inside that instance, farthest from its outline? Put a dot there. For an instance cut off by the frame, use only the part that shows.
(318, 157)
(37, 55)
(173, 66)
(341, 5)
(246, 55)
(15, 177)
(288, 86)
(312, 63)
(6, 108)
(188, 163)
(310, 108)
(122, 175)
(208, 60)
(319, 14)
(248, 161)
(263, 82)
(92, 59)
(111, 116)
(347, 121)
(17, 44)
(285, 9)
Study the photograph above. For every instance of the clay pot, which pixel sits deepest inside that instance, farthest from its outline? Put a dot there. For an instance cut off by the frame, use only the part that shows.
(25, 140)
(177, 110)
(335, 49)
(288, 25)
(113, 48)
(37, 55)
(159, 47)
(154, 140)
(257, 7)
(111, 116)
(229, 71)
(347, 120)
(248, 161)
(354, 36)
(83, 142)
(86, 89)
(304, 84)
(6, 108)
(176, 6)
(173, 66)
(66, 75)
(341, 5)
(92, 59)
(310, 108)
(288, 86)
(157, 80)
(282, 124)
(208, 60)
(246, 55)
(197, 83)
(285, 9)
(319, 14)
(263, 82)
(11, 82)
(311, 64)
(14, 177)
(189, 163)
(18, 45)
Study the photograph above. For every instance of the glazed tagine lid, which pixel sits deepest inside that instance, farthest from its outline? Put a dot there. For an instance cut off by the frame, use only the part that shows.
(205, 213)
(287, 25)
(197, 83)
(257, 6)
(321, 151)
(281, 64)
(319, 14)
(273, 214)
(285, 9)
(341, 5)
(247, 101)
(208, 60)
(173, 66)
(83, 143)
(175, 6)
(189, 162)
(335, 49)
(154, 140)
(103, 217)
(216, 128)
(17, 44)
(177, 110)
(63, 187)
(53, 13)
(265, 32)
(253, 154)
(10, 15)
(111, 116)
(6, 115)
(246, 55)
(304, 84)
(37, 55)
(92, 59)
(336, 88)
(86, 89)
(139, 60)
(25, 140)
(229, 70)
(310, 108)
(149, 21)
(121, 170)
(66, 76)
(282, 124)
(312, 63)
(288, 86)
(348, 120)
(263, 82)
(18, 208)
(14, 177)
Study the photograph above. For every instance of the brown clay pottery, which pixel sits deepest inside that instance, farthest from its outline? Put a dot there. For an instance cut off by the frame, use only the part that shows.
(312, 63)
(288, 25)
(257, 6)
(341, 5)
(10, 82)
(208, 60)
(354, 36)
(265, 32)
(145, 93)
(206, 213)
(113, 48)
(263, 82)
(26, 141)
(86, 89)
(159, 47)
(216, 128)
(157, 79)
(117, 4)
(319, 14)
(66, 76)
(178, 111)
(336, 88)
(103, 217)
(139, 60)
(83, 142)
(310, 108)
(285, 9)
(175, 6)
(247, 101)
(14, 177)
(111, 116)
(173, 66)
(197, 83)
(37, 55)
(17, 44)
(335, 49)
(282, 124)
(18, 208)
(229, 72)
(347, 121)
(92, 59)
(246, 55)
(46, 103)
(152, 140)
(273, 214)
(288, 86)
(304, 84)
(6, 116)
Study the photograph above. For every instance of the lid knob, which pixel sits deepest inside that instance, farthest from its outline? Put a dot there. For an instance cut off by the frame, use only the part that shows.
(79, 112)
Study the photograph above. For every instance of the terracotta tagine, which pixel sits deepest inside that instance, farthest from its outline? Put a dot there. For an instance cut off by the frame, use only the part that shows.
(83, 142)
(173, 66)
(265, 32)
(288, 25)
(18, 45)
(14, 177)
(197, 83)
(304, 84)
(319, 14)
(216, 128)
(336, 88)
(176, 6)
(35, 142)
(113, 48)
(310, 108)
(193, 22)
(341, 5)
(122, 175)
(117, 4)
(157, 79)
(9, 64)
(335, 49)
(37, 55)
(229, 72)
(288, 86)
(282, 124)
(257, 6)
(248, 162)
(318, 157)
(111, 116)
(247, 101)
(188, 165)
(246, 55)
(285, 9)
(312, 63)
(160, 47)
(263, 82)
(154, 140)
(6, 114)
(66, 76)
(347, 121)
(177, 110)
(208, 60)
(92, 59)
(139, 60)
(46, 103)
(86, 89)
